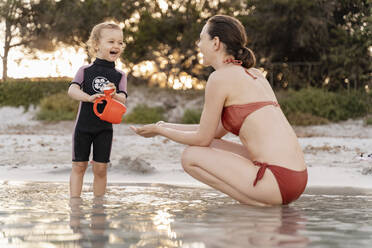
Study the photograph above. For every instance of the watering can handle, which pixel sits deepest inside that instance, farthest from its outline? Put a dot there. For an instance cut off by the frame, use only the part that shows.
(98, 100)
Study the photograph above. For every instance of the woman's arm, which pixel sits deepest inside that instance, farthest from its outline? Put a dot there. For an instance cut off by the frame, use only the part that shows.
(176, 126)
(220, 132)
(209, 121)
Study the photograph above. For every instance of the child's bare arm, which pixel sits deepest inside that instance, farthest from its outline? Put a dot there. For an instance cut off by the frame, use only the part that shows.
(120, 97)
(76, 93)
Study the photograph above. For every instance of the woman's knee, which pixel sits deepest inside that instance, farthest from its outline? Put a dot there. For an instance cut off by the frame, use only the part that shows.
(188, 157)
(100, 169)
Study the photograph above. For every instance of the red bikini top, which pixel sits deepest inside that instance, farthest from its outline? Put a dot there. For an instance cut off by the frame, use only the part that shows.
(233, 116)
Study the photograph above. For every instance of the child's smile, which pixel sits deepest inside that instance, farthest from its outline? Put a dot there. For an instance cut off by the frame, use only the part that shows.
(110, 44)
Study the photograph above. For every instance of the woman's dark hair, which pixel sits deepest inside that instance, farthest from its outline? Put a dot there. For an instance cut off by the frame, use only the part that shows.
(231, 32)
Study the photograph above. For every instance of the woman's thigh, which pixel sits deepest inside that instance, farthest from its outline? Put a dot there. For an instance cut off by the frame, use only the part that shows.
(235, 170)
(230, 146)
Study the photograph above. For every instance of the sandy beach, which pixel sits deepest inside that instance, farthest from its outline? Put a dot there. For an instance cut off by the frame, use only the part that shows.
(38, 151)
(151, 202)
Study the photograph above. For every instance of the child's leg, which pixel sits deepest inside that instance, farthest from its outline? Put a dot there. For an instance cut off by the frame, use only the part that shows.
(100, 178)
(81, 144)
(76, 178)
(101, 157)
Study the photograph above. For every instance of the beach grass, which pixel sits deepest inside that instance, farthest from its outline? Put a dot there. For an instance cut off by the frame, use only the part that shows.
(143, 114)
(309, 106)
(191, 116)
(57, 107)
(368, 120)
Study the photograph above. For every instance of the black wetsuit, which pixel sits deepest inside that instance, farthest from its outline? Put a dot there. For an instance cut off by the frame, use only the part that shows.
(89, 128)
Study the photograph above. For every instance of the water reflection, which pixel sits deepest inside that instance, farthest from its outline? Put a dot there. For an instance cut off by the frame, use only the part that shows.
(133, 216)
(243, 226)
(90, 226)
(181, 217)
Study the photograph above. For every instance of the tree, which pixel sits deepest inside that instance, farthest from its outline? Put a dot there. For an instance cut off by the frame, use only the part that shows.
(167, 36)
(349, 58)
(25, 23)
(318, 43)
(74, 20)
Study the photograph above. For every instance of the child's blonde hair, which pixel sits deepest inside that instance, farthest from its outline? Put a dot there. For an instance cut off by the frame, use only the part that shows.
(95, 35)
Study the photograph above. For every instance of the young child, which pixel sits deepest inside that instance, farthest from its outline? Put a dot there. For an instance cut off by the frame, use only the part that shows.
(106, 44)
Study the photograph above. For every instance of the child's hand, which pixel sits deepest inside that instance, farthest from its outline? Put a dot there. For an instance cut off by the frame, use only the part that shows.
(92, 98)
(112, 85)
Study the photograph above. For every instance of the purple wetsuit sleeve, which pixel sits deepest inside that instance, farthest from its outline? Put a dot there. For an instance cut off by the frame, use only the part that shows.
(123, 84)
(79, 76)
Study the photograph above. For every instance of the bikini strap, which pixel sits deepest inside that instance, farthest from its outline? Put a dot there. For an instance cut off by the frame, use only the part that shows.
(239, 62)
(276, 104)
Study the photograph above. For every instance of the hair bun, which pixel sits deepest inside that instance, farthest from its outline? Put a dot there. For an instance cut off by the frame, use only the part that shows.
(247, 56)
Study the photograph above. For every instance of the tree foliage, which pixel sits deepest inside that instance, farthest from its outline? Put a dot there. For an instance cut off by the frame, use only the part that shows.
(299, 42)
(26, 24)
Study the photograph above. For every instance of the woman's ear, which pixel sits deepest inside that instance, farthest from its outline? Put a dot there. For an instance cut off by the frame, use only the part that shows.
(216, 43)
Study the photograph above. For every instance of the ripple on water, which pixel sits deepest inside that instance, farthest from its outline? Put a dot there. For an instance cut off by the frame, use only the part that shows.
(148, 215)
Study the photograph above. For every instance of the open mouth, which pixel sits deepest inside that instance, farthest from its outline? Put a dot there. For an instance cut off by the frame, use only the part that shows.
(114, 52)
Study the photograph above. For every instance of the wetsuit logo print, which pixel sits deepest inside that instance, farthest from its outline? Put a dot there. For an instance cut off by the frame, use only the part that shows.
(98, 83)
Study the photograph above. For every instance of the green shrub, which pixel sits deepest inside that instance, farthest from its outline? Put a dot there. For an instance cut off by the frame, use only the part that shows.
(368, 120)
(305, 119)
(369, 102)
(25, 92)
(143, 114)
(326, 105)
(57, 107)
(191, 116)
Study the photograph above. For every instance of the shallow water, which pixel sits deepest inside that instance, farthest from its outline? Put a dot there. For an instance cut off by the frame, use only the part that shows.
(146, 215)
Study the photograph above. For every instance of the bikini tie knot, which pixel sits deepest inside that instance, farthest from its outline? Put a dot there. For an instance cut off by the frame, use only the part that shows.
(239, 62)
(260, 172)
(234, 61)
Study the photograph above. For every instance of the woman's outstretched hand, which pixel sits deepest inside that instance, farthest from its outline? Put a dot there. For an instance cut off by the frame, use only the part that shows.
(146, 131)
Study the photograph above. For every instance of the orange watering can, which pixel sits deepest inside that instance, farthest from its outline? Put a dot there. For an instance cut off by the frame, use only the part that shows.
(113, 111)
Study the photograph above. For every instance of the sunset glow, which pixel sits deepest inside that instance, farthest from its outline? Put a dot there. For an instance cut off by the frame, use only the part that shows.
(65, 61)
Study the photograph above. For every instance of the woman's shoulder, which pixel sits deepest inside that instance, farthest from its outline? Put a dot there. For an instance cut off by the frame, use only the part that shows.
(223, 73)
(256, 71)
(215, 76)
(216, 81)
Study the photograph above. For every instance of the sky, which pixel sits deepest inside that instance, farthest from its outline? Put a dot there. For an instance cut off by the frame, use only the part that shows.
(65, 62)
(62, 62)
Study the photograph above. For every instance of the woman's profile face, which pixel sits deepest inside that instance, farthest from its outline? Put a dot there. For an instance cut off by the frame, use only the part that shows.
(205, 45)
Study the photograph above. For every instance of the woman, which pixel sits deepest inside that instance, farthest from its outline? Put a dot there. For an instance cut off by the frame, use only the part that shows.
(268, 168)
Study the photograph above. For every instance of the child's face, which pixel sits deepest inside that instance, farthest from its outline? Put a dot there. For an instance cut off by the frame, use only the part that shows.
(110, 44)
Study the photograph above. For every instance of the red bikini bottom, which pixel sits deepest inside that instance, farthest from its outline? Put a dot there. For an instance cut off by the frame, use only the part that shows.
(291, 183)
